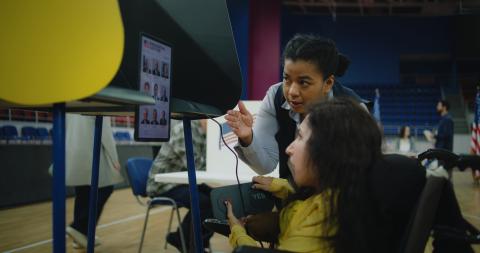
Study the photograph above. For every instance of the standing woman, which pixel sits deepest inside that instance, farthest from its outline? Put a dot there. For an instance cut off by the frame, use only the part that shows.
(79, 156)
(310, 67)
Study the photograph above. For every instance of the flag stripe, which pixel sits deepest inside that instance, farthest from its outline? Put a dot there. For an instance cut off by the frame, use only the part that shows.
(475, 141)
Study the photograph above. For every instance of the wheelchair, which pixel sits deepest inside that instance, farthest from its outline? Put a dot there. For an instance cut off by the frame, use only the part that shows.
(429, 205)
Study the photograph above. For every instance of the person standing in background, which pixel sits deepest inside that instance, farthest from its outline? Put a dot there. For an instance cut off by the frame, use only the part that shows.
(444, 136)
(80, 131)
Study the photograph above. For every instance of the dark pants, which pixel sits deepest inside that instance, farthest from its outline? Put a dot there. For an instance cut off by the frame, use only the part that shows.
(181, 195)
(82, 198)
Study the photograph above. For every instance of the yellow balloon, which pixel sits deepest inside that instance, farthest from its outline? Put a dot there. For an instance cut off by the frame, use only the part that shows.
(55, 51)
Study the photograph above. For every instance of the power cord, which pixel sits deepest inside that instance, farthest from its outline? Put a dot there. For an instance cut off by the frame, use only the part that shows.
(236, 168)
(236, 162)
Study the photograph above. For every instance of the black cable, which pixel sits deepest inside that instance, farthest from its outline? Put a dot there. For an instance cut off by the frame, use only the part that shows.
(236, 169)
(236, 163)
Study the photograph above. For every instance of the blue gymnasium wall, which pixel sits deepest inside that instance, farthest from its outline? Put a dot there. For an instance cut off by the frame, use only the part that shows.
(238, 11)
(374, 44)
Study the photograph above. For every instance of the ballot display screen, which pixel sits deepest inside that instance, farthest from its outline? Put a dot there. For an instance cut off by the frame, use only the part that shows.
(152, 122)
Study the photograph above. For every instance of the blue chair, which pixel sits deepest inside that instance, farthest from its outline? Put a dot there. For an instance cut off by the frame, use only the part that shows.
(10, 132)
(126, 136)
(137, 172)
(42, 133)
(28, 133)
(122, 136)
(118, 136)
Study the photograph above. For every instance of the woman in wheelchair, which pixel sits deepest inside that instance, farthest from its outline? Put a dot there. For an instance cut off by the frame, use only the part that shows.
(327, 207)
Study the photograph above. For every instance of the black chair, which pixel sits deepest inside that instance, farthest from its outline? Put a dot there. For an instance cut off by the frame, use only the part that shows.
(438, 211)
(423, 218)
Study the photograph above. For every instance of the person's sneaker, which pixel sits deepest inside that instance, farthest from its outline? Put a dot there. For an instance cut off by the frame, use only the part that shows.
(75, 245)
(79, 239)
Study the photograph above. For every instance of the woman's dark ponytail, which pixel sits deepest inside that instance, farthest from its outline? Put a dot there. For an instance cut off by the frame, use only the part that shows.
(343, 63)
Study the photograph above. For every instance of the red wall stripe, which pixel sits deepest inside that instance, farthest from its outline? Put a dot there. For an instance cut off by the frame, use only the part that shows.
(264, 47)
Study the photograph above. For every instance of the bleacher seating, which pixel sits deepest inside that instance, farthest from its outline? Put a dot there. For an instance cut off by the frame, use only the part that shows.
(469, 91)
(28, 133)
(42, 133)
(412, 105)
(45, 116)
(18, 115)
(25, 115)
(4, 114)
(123, 121)
(29, 115)
(9, 132)
(122, 136)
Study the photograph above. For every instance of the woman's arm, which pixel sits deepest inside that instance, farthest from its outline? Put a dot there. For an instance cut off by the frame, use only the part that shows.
(279, 187)
(238, 235)
(262, 153)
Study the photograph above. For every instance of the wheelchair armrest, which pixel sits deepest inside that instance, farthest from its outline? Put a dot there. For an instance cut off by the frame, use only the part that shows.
(249, 249)
(217, 226)
(449, 159)
(472, 161)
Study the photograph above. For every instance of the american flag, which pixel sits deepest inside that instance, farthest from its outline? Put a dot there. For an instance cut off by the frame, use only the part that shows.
(228, 135)
(475, 143)
(376, 106)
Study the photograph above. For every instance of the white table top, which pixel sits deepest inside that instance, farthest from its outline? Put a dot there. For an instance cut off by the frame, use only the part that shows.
(202, 177)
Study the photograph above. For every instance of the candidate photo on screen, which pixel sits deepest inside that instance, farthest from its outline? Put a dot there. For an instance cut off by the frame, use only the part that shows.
(163, 94)
(165, 70)
(154, 118)
(145, 117)
(146, 88)
(145, 64)
(163, 119)
(156, 69)
(156, 93)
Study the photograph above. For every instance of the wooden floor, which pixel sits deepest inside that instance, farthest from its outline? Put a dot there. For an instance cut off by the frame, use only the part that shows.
(119, 228)
(28, 228)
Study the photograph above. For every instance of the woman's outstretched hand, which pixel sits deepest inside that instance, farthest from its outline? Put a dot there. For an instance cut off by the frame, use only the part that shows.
(241, 123)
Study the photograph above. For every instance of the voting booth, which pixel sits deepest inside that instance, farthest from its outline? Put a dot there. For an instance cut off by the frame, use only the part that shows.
(85, 57)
